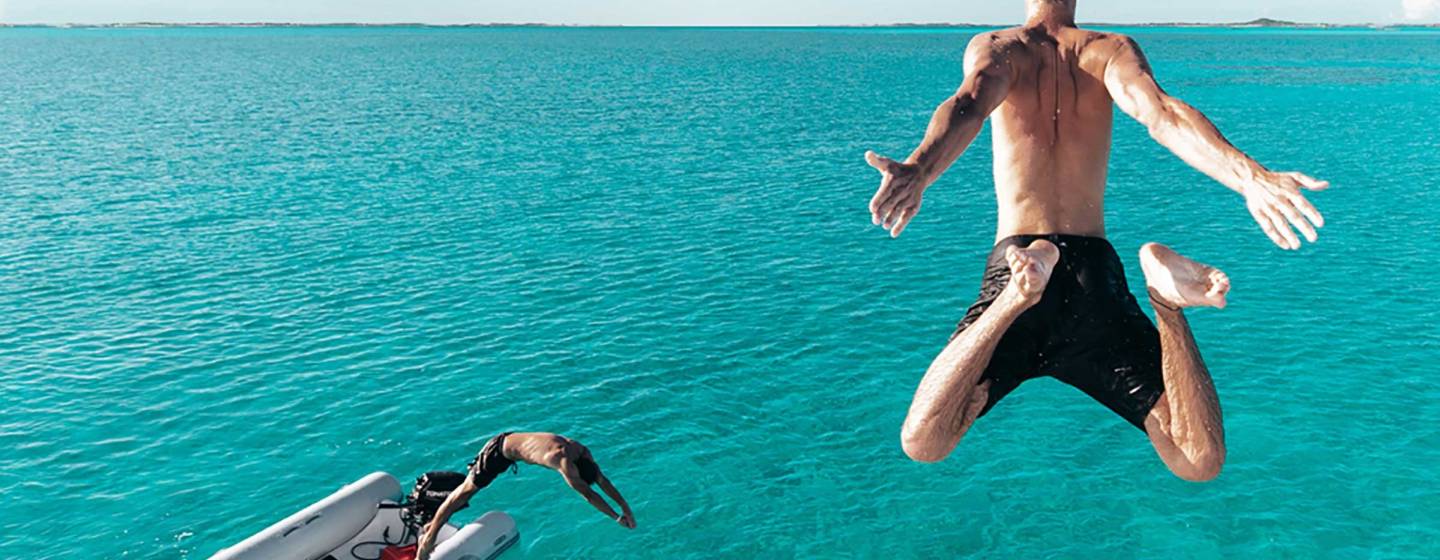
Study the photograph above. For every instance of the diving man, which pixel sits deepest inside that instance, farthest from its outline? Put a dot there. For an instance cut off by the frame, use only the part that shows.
(563, 455)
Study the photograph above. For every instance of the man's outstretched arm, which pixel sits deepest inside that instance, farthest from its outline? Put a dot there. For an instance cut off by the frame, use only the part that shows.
(572, 477)
(627, 517)
(457, 499)
(1274, 198)
(988, 73)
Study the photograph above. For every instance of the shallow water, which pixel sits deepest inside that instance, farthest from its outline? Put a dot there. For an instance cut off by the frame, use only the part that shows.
(241, 268)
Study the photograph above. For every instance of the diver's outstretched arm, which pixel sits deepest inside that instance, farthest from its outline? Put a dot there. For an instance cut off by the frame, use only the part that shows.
(572, 476)
(627, 517)
(1274, 198)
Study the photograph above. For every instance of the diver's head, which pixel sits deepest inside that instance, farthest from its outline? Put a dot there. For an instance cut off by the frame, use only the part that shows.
(589, 471)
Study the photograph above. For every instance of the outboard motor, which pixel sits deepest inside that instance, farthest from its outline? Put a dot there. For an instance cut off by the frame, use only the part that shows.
(431, 490)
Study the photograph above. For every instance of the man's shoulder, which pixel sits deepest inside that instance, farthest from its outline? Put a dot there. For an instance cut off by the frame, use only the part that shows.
(1108, 43)
(1006, 45)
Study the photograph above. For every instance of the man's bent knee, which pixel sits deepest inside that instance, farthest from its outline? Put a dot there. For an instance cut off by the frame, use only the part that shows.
(923, 449)
(1204, 467)
(924, 442)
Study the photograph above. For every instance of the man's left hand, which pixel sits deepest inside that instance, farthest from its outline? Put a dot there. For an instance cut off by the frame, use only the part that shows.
(1276, 203)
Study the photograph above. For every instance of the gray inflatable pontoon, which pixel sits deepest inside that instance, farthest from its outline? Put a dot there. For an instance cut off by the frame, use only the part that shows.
(351, 524)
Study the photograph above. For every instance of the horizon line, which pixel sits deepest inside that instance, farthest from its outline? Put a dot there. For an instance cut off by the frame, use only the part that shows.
(1256, 23)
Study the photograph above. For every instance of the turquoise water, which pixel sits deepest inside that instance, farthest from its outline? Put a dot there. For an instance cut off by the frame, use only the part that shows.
(240, 268)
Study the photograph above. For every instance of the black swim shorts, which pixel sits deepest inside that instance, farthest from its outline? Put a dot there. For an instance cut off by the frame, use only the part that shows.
(491, 462)
(1087, 330)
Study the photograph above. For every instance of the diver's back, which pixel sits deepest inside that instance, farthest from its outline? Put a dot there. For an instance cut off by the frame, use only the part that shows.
(1052, 133)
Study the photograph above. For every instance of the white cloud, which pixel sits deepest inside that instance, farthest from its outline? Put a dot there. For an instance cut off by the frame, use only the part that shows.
(1416, 10)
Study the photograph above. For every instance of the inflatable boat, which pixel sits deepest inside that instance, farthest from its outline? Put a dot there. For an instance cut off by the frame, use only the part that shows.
(362, 520)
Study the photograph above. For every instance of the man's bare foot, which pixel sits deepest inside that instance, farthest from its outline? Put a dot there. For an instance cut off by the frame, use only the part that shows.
(1178, 282)
(1030, 270)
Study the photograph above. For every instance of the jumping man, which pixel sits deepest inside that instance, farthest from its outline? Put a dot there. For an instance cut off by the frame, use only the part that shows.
(1054, 300)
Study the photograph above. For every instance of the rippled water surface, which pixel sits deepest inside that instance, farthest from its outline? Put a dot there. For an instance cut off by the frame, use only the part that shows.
(239, 268)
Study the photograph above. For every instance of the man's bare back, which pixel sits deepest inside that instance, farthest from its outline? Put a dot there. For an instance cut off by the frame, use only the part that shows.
(1052, 132)
(543, 449)
(1048, 87)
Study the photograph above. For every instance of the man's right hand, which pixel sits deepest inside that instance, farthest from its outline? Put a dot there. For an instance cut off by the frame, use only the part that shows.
(901, 187)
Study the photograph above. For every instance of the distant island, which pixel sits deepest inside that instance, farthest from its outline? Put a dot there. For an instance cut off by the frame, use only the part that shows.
(1257, 23)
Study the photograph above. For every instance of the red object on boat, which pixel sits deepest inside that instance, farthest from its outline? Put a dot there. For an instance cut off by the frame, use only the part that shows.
(398, 553)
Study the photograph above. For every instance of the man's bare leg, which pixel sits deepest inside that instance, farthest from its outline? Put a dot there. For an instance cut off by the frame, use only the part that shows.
(1185, 425)
(947, 401)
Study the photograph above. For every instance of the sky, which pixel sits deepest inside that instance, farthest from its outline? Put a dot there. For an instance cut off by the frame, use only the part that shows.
(701, 12)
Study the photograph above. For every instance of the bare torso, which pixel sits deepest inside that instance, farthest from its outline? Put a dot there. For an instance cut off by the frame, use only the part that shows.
(1051, 134)
(543, 449)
